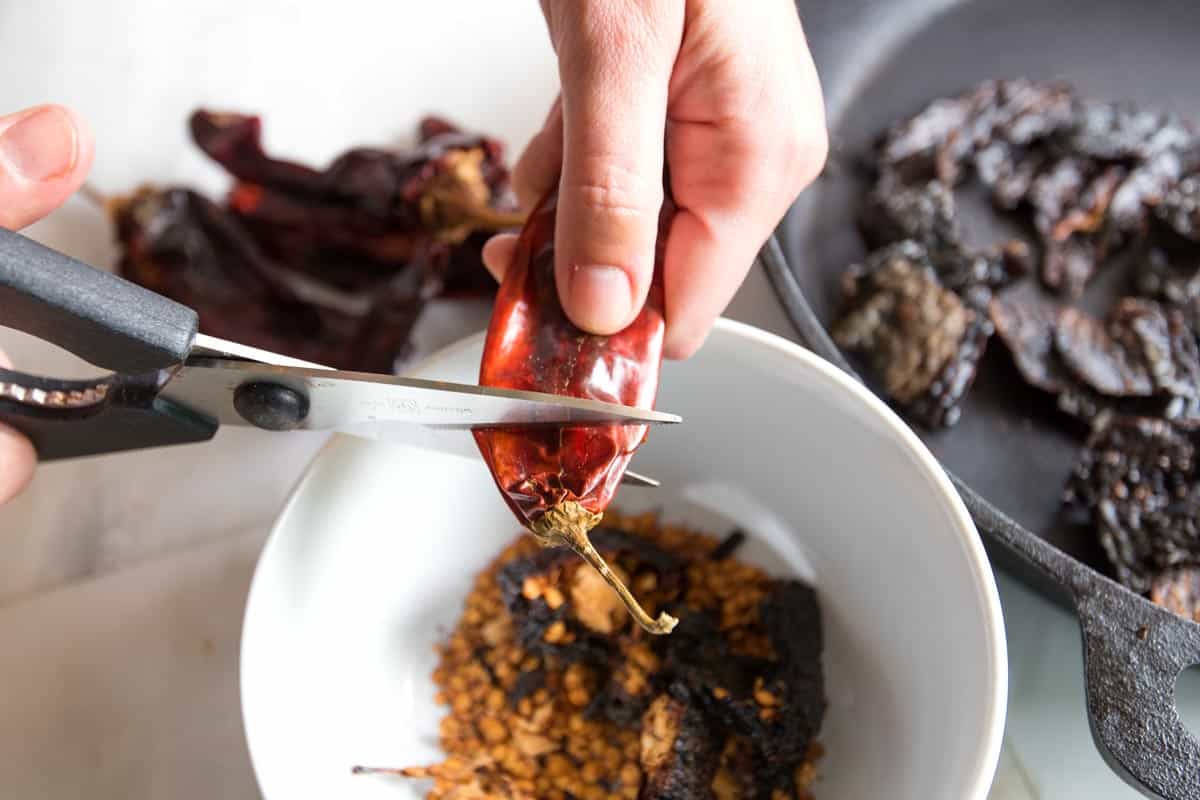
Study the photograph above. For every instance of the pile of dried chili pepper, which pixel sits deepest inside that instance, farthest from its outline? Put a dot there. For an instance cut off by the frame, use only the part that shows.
(559, 480)
(332, 265)
(1093, 181)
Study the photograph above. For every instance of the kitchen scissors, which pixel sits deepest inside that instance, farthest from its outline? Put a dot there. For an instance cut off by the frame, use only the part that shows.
(169, 384)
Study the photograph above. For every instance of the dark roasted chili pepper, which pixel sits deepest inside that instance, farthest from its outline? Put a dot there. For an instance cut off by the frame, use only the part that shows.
(558, 481)
(331, 265)
(446, 186)
(370, 210)
(179, 244)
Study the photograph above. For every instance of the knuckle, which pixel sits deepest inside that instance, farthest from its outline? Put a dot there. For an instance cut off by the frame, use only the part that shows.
(609, 189)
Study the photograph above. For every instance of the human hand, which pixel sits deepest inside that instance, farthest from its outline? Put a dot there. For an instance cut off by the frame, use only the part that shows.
(726, 90)
(45, 153)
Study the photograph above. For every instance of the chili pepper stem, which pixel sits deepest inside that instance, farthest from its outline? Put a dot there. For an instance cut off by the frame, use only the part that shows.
(457, 202)
(110, 204)
(456, 215)
(93, 195)
(568, 524)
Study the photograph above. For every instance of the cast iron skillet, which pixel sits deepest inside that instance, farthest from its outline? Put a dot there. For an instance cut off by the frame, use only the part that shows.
(881, 60)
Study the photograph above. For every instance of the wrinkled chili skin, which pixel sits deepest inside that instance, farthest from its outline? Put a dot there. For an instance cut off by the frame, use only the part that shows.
(531, 345)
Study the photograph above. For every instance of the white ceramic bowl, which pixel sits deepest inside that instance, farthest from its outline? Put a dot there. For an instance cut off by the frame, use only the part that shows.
(368, 564)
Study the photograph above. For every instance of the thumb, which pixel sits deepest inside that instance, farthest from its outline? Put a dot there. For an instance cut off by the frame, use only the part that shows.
(615, 67)
(45, 153)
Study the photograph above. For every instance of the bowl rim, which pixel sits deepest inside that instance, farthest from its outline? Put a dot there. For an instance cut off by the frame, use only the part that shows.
(987, 754)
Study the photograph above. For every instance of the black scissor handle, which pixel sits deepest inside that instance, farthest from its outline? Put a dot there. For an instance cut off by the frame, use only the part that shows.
(103, 319)
(72, 418)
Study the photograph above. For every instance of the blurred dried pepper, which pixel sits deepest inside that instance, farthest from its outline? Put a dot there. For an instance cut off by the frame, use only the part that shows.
(179, 244)
(1180, 208)
(370, 210)
(1071, 220)
(332, 266)
(1136, 479)
(1170, 274)
(1142, 351)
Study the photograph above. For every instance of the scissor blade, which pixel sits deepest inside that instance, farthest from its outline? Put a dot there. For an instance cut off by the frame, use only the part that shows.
(452, 441)
(339, 401)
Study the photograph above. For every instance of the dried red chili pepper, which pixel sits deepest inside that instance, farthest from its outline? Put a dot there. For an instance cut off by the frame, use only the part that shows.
(559, 480)
(371, 209)
(331, 265)
(182, 245)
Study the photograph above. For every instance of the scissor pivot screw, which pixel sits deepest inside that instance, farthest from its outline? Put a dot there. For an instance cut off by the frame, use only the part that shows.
(270, 406)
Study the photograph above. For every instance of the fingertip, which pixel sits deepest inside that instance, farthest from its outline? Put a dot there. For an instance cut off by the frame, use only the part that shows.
(498, 254)
(599, 299)
(682, 345)
(17, 461)
(45, 153)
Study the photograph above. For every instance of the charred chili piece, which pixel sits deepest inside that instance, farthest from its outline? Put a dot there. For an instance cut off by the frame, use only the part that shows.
(1027, 329)
(1169, 272)
(926, 214)
(1180, 208)
(924, 341)
(1105, 357)
(1143, 351)
(776, 705)
(680, 750)
(1077, 241)
(939, 141)
(1136, 481)
(558, 481)
(1120, 131)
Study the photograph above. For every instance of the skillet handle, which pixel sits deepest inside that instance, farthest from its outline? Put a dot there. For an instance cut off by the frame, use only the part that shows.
(1133, 652)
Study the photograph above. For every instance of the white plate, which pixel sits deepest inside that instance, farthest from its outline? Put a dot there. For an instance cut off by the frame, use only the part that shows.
(368, 565)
